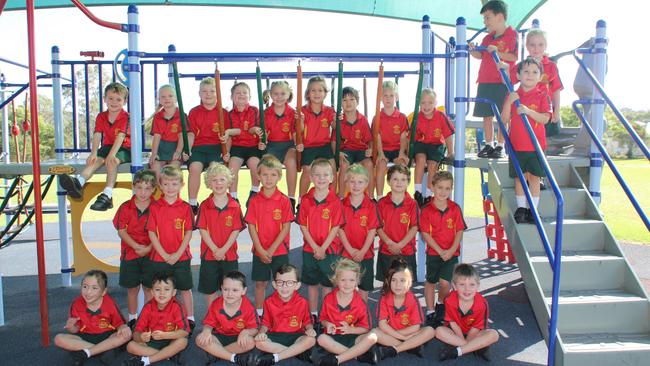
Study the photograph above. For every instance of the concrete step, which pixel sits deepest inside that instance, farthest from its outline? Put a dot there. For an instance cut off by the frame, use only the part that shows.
(577, 235)
(575, 203)
(610, 348)
(594, 296)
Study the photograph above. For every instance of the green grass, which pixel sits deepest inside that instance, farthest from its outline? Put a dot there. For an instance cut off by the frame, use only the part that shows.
(617, 210)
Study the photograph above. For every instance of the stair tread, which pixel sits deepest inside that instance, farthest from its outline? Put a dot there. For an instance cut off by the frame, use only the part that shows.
(577, 256)
(594, 296)
(595, 342)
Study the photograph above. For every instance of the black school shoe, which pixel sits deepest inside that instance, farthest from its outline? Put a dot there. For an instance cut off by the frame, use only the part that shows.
(486, 151)
(448, 353)
(265, 359)
(328, 360)
(387, 352)
(483, 353)
(195, 209)
(521, 215)
(71, 185)
(102, 203)
(133, 361)
(250, 195)
(78, 357)
(419, 199)
(293, 205)
(318, 327)
(417, 351)
(192, 325)
(372, 356)
(439, 318)
(210, 359)
(497, 152)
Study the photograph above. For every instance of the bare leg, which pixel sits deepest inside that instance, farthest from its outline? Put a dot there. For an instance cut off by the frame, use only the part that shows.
(234, 164)
(132, 299)
(477, 340)
(304, 180)
(252, 166)
(488, 130)
(210, 298)
(216, 349)
(188, 301)
(343, 167)
(111, 172)
(89, 170)
(367, 163)
(361, 345)
(292, 173)
(432, 168)
(429, 294)
(443, 290)
(141, 349)
(381, 172)
(260, 289)
(312, 294)
(301, 345)
(420, 162)
(194, 181)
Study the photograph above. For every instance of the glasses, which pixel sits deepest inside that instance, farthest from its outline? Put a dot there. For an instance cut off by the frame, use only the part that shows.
(289, 283)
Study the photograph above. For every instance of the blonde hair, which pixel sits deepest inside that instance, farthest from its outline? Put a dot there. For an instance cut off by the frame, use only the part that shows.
(536, 32)
(357, 169)
(171, 172)
(442, 176)
(266, 96)
(390, 85)
(167, 87)
(207, 81)
(429, 91)
(314, 80)
(345, 264)
(271, 162)
(217, 169)
(321, 162)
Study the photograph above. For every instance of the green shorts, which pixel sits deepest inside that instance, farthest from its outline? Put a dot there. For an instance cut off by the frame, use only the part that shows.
(309, 154)
(347, 340)
(263, 271)
(96, 338)
(318, 272)
(279, 149)
(384, 261)
(367, 274)
(355, 156)
(205, 154)
(528, 162)
(497, 92)
(159, 343)
(285, 339)
(181, 271)
(433, 152)
(245, 152)
(166, 150)
(438, 269)
(134, 272)
(211, 274)
(225, 340)
(391, 155)
(123, 154)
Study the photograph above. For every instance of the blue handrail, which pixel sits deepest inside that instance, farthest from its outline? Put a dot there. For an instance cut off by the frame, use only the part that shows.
(555, 260)
(611, 105)
(19, 91)
(609, 161)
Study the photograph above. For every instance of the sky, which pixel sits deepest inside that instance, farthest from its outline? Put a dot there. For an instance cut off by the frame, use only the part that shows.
(230, 29)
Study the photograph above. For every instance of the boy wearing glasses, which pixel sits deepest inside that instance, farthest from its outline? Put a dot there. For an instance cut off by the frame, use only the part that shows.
(286, 329)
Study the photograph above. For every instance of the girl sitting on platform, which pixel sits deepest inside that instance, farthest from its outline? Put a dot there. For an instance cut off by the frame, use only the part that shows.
(167, 145)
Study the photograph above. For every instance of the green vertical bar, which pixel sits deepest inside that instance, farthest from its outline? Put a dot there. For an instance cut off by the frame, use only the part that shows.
(416, 111)
(339, 97)
(179, 97)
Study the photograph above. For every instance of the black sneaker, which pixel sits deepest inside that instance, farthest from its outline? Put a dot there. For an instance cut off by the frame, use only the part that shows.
(372, 356)
(448, 353)
(210, 359)
(447, 160)
(417, 351)
(529, 216)
(195, 209)
(131, 324)
(71, 185)
(106, 358)
(318, 327)
(521, 215)
(265, 359)
(297, 210)
(250, 195)
(542, 185)
(102, 203)
(486, 151)
(419, 198)
(241, 359)
(387, 352)
(78, 357)
(426, 201)
(293, 205)
(328, 360)
(177, 358)
(133, 361)
(439, 318)
(483, 353)
(192, 325)
(430, 320)
(306, 356)
(497, 152)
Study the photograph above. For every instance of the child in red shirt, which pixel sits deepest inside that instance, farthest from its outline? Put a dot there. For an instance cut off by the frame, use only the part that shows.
(466, 318)
(394, 131)
(433, 133)
(400, 315)
(269, 216)
(346, 321)
(286, 329)
(281, 132)
(95, 324)
(170, 229)
(167, 144)
(112, 132)
(130, 221)
(361, 223)
(356, 139)
(535, 104)
(441, 226)
(219, 221)
(162, 328)
(230, 324)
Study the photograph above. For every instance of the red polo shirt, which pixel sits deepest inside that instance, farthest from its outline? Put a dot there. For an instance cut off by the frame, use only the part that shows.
(476, 316)
(280, 128)
(355, 313)
(268, 215)
(317, 126)
(355, 135)
(244, 120)
(222, 323)
(220, 222)
(537, 100)
(169, 222)
(410, 313)
(110, 130)
(396, 220)
(168, 129)
(442, 225)
(391, 129)
(550, 78)
(320, 218)
(359, 220)
(171, 318)
(129, 217)
(107, 318)
(204, 125)
(507, 42)
(433, 130)
(286, 317)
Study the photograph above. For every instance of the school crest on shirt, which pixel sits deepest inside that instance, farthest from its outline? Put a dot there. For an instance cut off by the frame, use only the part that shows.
(544, 78)
(404, 319)
(170, 327)
(228, 221)
(324, 123)
(285, 127)
(293, 321)
(215, 127)
(404, 218)
(117, 132)
(470, 321)
(326, 214)
(178, 224)
(246, 125)
(533, 107)
(501, 46)
(436, 132)
(277, 214)
(240, 323)
(450, 224)
(173, 128)
(363, 221)
(104, 323)
(357, 134)
(349, 319)
(396, 130)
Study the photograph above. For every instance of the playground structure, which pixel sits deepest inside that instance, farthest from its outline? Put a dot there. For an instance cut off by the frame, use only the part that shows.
(562, 305)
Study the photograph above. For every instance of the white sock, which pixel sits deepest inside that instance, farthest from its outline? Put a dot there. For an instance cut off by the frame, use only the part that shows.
(494, 143)
(460, 353)
(232, 357)
(191, 317)
(87, 352)
(255, 189)
(81, 180)
(427, 194)
(108, 191)
(521, 201)
(314, 313)
(260, 312)
(430, 311)
(146, 361)
(292, 197)
(276, 358)
(233, 195)
(500, 144)
(133, 316)
(193, 202)
(536, 201)
(298, 200)
(418, 187)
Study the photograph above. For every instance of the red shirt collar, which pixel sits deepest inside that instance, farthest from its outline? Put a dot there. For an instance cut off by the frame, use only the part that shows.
(275, 196)
(163, 201)
(395, 113)
(330, 196)
(230, 204)
(245, 110)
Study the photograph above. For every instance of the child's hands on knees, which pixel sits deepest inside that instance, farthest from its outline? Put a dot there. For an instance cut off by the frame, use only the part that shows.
(146, 337)
(204, 338)
(71, 324)
(261, 337)
(244, 340)
(344, 328)
(300, 147)
(310, 333)
(92, 158)
(330, 328)
(158, 335)
(124, 331)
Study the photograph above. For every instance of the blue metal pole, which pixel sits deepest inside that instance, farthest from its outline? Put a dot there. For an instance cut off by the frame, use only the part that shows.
(451, 80)
(100, 83)
(134, 90)
(598, 111)
(59, 144)
(87, 100)
(432, 67)
(462, 52)
(75, 127)
(426, 49)
(170, 73)
(5, 137)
